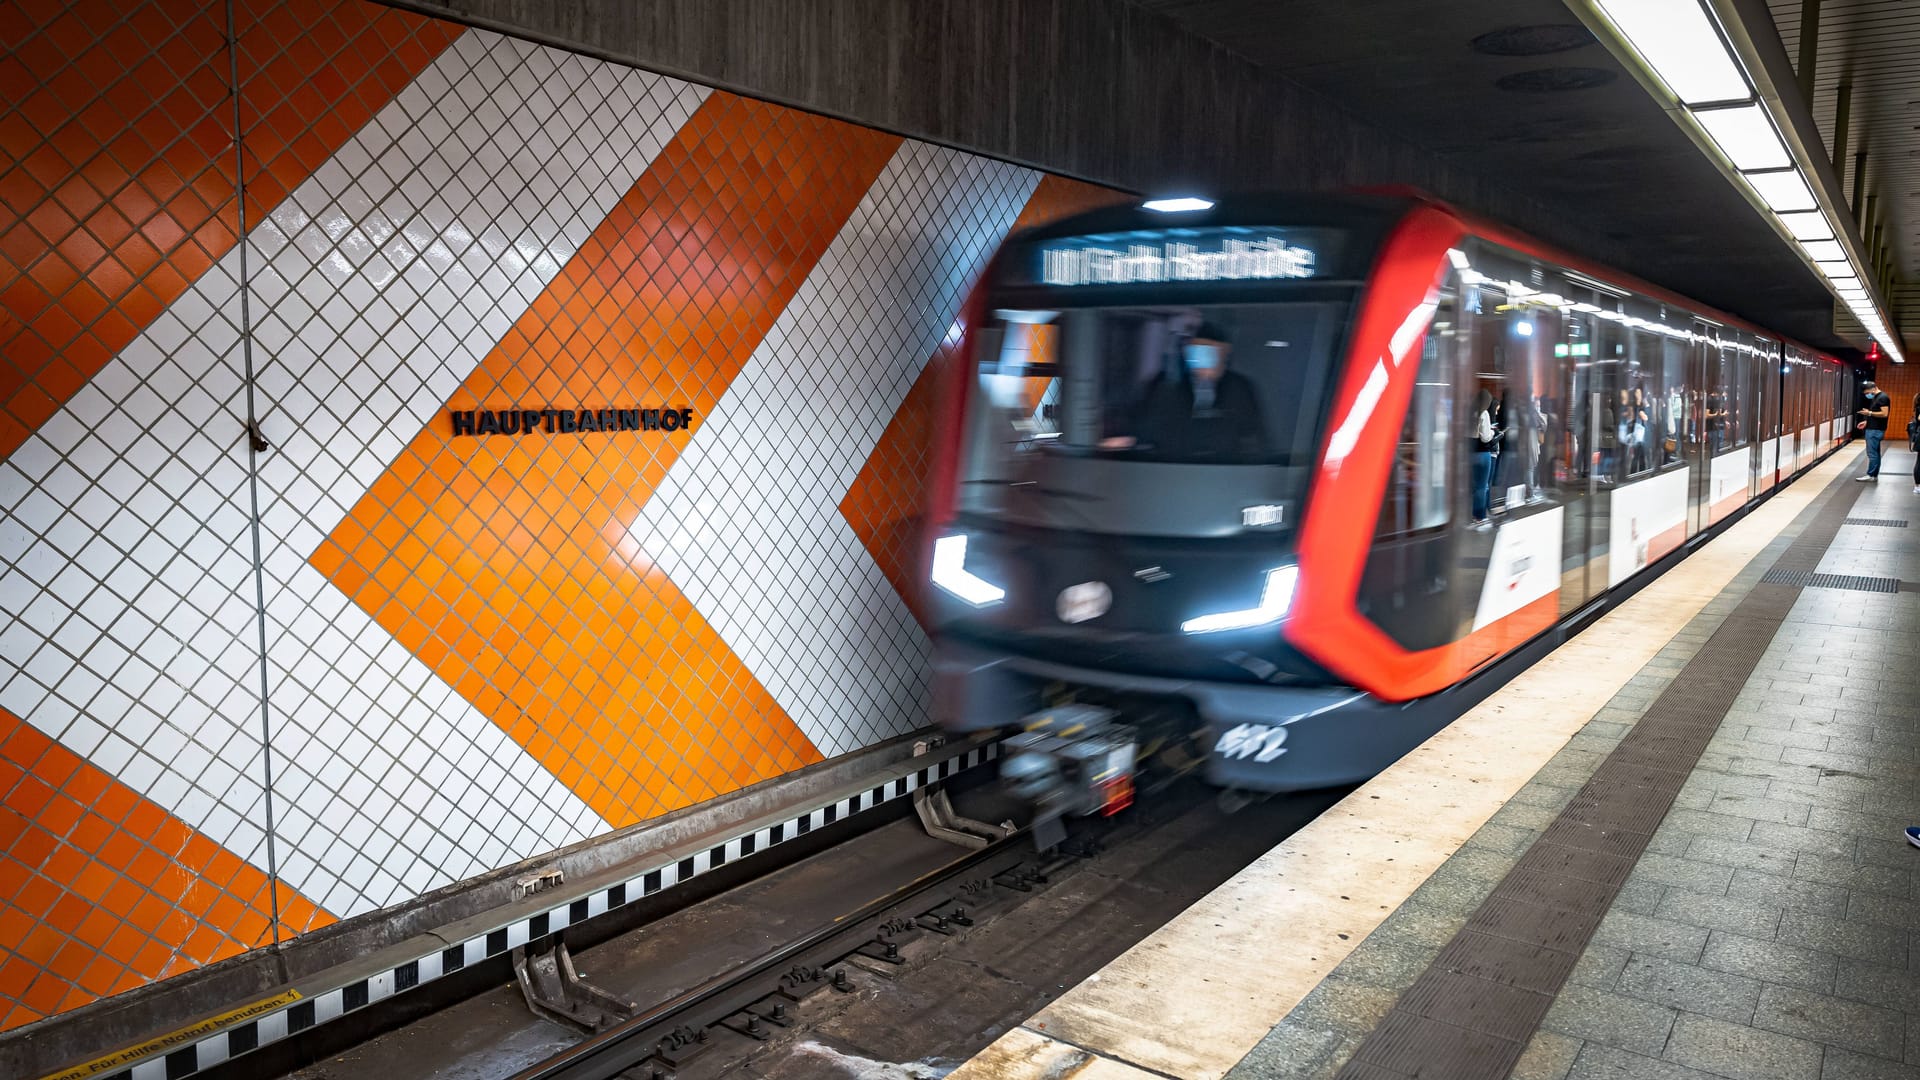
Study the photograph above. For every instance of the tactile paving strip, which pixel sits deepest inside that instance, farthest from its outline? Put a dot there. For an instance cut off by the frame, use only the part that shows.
(1885, 523)
(1472, 1012)
(1810, 580)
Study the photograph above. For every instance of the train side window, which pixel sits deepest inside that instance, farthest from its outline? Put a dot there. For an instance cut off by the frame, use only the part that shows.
(1418, 490)
(1673, 404)
(1512, 361)
(1638, 420)
(1740, 403)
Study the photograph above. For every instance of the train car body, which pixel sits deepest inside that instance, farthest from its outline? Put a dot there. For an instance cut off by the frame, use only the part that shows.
(1288, 481)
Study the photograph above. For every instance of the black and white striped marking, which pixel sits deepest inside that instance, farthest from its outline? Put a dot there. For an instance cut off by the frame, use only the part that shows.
(319, 1008)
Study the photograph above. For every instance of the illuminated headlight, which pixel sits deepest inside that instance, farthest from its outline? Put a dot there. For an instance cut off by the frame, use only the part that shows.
(950, 573)
(1275, 598)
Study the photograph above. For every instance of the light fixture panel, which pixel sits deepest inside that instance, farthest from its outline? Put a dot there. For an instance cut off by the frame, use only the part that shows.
(1680, 44)
(1807, 225)
(1824, 250)
(1784, 191)
(1746, 136)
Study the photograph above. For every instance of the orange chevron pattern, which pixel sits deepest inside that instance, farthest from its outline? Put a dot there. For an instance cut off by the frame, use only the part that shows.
(504, 563)
(885, 504)
(101, 890)
(117, 187)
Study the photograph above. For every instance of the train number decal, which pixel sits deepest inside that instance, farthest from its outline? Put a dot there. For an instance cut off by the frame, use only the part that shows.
(1261, 742)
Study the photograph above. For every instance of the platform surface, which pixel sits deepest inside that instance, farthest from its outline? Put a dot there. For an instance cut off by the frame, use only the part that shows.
(1673, 848)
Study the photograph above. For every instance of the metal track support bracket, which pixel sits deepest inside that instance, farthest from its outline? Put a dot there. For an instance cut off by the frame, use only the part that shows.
(942, 821)
(553, 989)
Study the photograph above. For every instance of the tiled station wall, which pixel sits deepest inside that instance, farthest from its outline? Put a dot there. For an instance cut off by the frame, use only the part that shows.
(1901, 382)
(472, 650)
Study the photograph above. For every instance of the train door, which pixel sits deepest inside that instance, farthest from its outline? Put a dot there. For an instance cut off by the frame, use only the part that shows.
(1772, 386)
(1590, 372)
(1703, 358)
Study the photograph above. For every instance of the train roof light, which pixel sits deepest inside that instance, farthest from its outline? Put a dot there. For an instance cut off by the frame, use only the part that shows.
(1679, 42)
(1179, 204)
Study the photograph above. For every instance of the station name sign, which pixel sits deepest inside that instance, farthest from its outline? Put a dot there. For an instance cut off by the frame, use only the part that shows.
(1151, 257)
(551, 421)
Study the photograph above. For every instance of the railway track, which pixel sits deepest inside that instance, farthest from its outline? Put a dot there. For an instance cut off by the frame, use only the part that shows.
(886, 948)
(768, 993)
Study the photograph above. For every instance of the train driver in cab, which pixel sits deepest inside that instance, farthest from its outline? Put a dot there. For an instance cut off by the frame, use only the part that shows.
(1202, 412)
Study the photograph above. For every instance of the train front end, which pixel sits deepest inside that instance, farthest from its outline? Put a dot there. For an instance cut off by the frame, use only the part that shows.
(1139, 413)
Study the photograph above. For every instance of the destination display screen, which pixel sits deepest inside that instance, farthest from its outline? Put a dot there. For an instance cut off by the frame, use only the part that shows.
(1184, 256)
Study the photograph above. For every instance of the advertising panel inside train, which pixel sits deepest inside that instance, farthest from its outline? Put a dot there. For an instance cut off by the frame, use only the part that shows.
(1649, 520)
(1727, 483)
(1524, 567)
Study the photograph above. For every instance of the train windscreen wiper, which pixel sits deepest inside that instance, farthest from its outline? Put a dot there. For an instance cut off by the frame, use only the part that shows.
(1035, 487)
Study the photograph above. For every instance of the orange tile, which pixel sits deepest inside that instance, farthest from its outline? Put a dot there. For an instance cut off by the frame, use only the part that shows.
(524, 584)
(179, 62)
(105, 906)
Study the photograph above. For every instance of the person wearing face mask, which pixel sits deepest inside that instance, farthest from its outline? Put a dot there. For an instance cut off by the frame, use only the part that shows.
(1207, 412)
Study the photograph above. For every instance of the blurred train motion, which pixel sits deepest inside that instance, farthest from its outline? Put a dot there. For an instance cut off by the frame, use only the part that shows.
(1278, 487)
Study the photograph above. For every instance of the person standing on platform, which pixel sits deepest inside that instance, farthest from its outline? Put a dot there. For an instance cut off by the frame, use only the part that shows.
(1875, 426)
(1913, 442)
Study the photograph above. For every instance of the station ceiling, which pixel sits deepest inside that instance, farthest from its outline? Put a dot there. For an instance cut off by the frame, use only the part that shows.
(1517, 89)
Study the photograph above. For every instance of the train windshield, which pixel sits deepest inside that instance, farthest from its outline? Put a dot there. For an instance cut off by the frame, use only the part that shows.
(1194, 420)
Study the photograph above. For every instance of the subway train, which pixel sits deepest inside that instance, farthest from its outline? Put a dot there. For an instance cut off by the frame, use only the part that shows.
(1276, 487)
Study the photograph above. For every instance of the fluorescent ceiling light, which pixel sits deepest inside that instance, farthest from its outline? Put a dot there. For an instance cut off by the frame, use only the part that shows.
(1809, 225)
(1783, 191)
(1823, 250)
(1845, 285)
(1177, 205)
(1679, 43)
(1839, 269)
(1746, 136)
